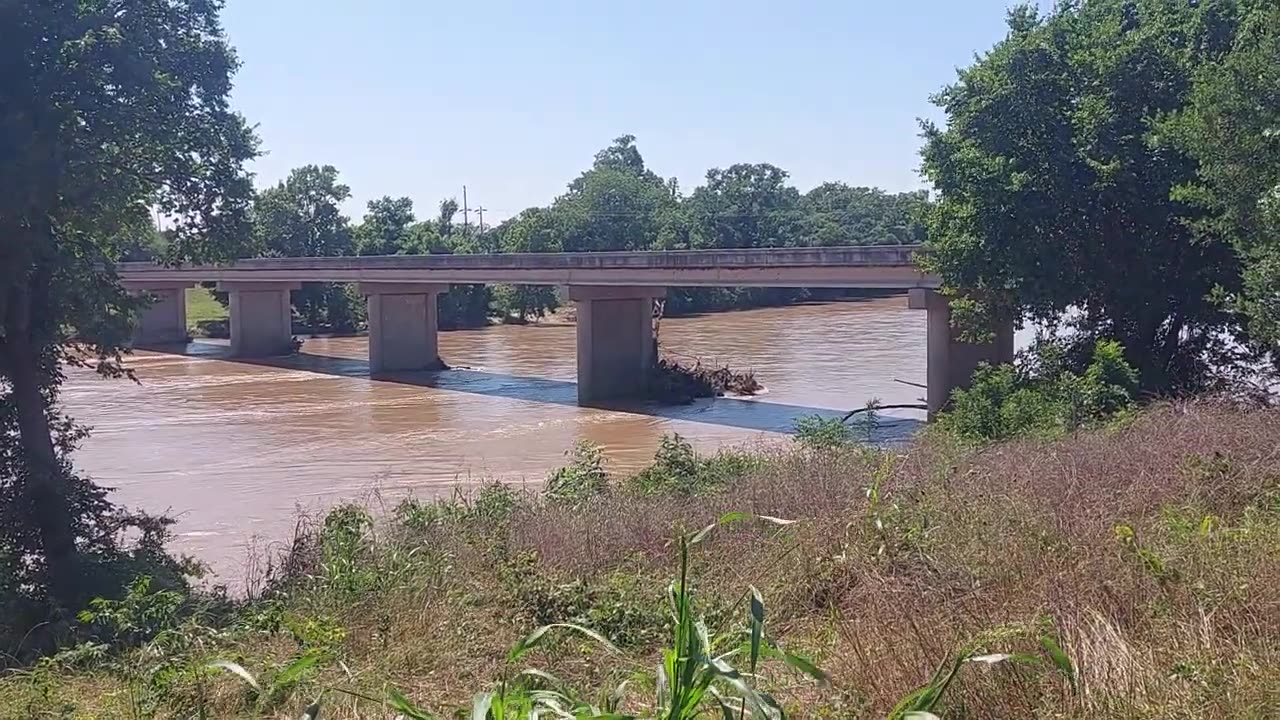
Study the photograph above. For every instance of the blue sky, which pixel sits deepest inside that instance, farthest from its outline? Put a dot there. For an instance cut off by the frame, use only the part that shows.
(512, 99)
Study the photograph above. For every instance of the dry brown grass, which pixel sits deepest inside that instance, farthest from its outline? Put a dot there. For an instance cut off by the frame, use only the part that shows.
(1177, 616)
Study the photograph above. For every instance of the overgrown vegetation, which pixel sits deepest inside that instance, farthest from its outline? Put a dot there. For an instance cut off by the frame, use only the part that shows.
(1128, 570)
(1041, 395)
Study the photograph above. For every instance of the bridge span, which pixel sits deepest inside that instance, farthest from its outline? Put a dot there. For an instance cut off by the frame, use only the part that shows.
(612, 291)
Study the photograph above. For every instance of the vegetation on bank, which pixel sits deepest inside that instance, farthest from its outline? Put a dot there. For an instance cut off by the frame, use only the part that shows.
(206, 316)
(1132, 570)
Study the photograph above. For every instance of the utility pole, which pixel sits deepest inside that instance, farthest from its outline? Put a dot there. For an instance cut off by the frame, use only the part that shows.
(480, 209)
(466, 213)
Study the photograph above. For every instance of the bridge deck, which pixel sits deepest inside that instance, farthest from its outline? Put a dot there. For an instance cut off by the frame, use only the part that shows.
(876, 266)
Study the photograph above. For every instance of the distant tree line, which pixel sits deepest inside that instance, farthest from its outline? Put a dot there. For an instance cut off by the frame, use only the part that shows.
(616, 204)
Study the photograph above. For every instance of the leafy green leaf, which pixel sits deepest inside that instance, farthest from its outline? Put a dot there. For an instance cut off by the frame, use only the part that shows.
(1060, 658)
(406, 707)
(535, 638)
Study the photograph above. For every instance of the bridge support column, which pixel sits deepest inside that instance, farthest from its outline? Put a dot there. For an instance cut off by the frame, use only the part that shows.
(951, 362)
(403, 322)
(616, 345)
(164, 321)
(261, 317)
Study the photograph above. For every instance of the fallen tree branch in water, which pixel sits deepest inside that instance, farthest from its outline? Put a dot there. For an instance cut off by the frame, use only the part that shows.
(877, 408)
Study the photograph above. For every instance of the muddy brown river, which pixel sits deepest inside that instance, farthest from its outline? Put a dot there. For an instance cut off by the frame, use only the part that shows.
(233, 449)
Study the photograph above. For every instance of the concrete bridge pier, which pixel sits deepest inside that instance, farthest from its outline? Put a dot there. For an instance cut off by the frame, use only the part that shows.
(615, 339)
(261, 317)
(164, 321)
(403, 323)
(951, 362)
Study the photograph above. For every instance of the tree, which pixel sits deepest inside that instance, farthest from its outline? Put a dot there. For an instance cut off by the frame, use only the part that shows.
(532, 231)
(836, 214)
(1232, 127)
(448, 209)
(745, 206)
(616, 205)
(386, 228)
(107, 111)
(301, 217)
(622, 155)
(1057, 192)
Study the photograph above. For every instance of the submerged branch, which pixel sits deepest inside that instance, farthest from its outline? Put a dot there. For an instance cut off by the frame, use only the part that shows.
(877, 408)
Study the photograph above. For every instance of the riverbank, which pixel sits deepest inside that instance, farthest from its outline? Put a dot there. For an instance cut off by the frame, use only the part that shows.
(1148, 551)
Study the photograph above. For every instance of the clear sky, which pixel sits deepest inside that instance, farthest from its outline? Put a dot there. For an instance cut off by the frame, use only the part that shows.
(512, 99)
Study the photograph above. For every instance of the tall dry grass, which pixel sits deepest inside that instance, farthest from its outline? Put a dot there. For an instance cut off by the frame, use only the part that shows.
(1150, 551)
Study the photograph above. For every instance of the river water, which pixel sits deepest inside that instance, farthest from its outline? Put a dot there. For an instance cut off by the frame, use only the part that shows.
(233, 449)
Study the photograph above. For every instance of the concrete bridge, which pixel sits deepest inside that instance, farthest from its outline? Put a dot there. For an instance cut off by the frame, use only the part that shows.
(613, 292)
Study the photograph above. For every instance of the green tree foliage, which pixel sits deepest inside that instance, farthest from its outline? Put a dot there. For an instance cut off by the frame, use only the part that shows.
(746, 206)
(1232, 127)
(1060, 195)
(1041, 395)
(532, 231)
(301, 217)
(391, 228)
(837, 214)
(618, 204)
(107, 112)
(388, 228)
(582, 479)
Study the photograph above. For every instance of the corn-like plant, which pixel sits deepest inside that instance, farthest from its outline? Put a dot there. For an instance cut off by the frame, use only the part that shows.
(694, 675)
(695, 678)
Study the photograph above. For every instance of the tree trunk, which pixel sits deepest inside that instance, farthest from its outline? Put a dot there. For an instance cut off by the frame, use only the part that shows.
(45, 488)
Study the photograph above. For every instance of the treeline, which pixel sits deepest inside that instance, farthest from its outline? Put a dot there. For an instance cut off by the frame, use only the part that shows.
(616, 204)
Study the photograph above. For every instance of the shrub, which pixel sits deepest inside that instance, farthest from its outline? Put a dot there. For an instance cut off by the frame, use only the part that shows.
(678, 470)
(819, 433)
(583, 478)
(1041, 396)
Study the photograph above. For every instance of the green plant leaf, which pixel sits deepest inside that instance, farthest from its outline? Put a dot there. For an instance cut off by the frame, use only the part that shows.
(237, 670)
(802, 664)
(542, 675)
(534, 638)
(733, 517)
(759, 705)
(757, 625)
(1059, 658)
(294, 671)
(406, 707)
